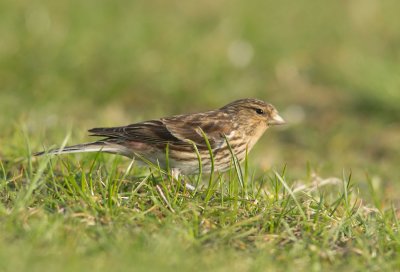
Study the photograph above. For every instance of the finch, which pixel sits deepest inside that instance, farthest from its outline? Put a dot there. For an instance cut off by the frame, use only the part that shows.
(189, 138)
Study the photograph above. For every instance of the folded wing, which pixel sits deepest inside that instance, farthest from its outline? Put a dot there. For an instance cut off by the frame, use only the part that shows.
(177, 130)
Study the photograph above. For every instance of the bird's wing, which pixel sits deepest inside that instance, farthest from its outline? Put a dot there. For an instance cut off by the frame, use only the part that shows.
(177, 130)
(151, 132)
(191, 127)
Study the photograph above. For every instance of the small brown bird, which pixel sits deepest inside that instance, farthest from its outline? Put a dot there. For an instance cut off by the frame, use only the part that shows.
(240, 123)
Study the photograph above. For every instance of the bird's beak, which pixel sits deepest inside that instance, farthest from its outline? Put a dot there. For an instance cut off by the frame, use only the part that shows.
(276, 120)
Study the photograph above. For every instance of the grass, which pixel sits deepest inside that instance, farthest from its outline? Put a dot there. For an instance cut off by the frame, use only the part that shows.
(321, 193)
(104, 213)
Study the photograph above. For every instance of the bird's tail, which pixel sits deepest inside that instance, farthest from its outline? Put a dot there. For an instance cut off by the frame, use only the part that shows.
(88, 147)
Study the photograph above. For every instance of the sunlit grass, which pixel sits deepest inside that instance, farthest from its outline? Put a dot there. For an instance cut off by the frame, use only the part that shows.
(102, 205)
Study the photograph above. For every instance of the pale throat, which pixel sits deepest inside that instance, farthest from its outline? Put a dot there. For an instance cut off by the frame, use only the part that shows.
(257, 132)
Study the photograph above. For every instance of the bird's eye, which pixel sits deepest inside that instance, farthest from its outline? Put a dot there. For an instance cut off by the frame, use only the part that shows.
(260, 111)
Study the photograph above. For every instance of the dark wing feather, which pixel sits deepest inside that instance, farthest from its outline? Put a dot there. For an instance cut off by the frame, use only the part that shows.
(152, 132)
(176, 130)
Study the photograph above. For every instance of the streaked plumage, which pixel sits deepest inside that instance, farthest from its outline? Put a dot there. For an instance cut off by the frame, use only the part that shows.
(242, 122)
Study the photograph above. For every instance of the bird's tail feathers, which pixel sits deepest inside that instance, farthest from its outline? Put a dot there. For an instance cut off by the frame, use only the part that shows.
(80, 148)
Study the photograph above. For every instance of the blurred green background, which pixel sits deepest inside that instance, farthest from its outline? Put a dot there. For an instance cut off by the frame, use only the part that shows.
(332, 68)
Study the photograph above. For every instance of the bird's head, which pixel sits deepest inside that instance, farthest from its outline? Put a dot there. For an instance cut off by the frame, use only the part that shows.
(254, 112)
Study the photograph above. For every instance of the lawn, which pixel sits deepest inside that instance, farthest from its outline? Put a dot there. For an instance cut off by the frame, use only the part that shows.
(320, 193)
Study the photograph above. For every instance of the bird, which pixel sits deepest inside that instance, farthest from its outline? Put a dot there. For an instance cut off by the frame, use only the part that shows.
(187, 139)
